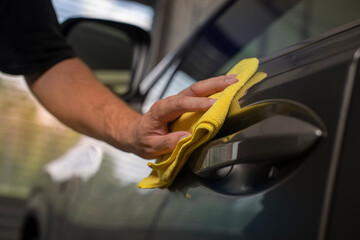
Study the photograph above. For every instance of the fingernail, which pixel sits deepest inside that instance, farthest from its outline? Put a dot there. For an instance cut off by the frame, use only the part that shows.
(231, 78)
(212, 100)
(182, 137)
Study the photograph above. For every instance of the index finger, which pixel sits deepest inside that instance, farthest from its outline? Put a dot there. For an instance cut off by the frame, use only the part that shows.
(170, 108)
(207, 87)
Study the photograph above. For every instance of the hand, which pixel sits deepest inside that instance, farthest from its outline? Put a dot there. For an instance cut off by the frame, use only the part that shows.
(151, 137)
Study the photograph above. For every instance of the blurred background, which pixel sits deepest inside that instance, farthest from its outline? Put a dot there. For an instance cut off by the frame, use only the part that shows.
(30, 137)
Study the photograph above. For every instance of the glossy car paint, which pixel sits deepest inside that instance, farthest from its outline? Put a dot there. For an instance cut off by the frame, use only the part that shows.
(293, 208)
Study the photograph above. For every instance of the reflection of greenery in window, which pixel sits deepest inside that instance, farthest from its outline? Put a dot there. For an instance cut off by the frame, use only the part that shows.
(117, 80)
(29, 138)
(305, 20)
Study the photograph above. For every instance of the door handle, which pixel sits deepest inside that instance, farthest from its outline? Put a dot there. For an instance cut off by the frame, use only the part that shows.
(270, 141)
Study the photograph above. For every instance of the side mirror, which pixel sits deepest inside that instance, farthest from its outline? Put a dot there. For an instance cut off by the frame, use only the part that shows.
(115, 51)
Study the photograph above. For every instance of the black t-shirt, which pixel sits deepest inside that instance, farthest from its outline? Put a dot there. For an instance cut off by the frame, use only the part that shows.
(30, 37)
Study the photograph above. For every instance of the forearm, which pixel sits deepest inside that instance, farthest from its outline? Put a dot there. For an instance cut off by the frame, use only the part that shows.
(70, 91)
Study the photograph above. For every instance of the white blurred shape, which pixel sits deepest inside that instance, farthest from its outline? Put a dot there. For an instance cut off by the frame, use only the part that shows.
(123, 11)
(82, 161)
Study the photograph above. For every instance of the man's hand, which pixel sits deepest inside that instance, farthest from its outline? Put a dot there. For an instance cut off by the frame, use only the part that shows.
(71, 92)
(152, 138)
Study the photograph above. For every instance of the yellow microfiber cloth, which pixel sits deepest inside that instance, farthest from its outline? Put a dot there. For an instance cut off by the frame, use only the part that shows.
(203, 126)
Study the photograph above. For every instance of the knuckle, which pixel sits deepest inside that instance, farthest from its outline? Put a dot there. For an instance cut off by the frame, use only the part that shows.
(167, 144)
(193, 88)
(148, 151)
(180, 102)
(157, 104)
(203, 104)
(147, 154)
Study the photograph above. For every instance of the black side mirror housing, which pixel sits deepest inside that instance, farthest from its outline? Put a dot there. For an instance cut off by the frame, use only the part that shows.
(115, 51)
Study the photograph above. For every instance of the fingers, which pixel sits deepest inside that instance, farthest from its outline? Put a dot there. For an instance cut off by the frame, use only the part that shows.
(167, 143)
(207, 87)
(192, 99)
(168, 109)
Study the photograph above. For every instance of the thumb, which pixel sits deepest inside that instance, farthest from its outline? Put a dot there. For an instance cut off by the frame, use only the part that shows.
(170, 140)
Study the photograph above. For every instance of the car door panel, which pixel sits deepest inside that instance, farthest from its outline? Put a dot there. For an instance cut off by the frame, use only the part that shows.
(344, 213)
(291, 207)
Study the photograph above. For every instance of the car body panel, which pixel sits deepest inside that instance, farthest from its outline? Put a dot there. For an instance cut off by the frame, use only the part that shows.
(293, 207)
(345, 194)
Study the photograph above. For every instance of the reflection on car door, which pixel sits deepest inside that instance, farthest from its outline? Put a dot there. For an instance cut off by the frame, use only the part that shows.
(307, 81)
(99, 196)
(287, 208)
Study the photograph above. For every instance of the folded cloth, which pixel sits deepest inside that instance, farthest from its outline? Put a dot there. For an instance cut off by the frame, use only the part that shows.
(203, 126)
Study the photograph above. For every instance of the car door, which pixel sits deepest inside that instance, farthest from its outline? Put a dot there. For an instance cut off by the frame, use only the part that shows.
(276, 192)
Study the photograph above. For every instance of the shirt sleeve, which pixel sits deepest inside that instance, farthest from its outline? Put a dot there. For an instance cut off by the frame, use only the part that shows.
(30, 37)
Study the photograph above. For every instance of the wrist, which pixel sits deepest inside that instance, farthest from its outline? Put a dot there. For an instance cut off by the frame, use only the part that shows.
(124, 135)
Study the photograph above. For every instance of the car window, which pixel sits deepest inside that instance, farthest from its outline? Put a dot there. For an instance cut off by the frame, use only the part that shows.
(304, 20)
(256, 29)
(157, 90)
(96, 44)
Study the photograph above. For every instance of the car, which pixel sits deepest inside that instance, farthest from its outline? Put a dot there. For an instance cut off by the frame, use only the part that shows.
(285, 168)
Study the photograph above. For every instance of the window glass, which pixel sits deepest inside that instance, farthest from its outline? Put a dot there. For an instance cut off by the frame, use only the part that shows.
(157, 90)
(108, 51)
(179, 82)
(164, 87)
(256, 28)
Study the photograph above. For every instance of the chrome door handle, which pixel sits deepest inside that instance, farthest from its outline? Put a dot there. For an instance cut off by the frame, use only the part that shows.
(272, 140)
